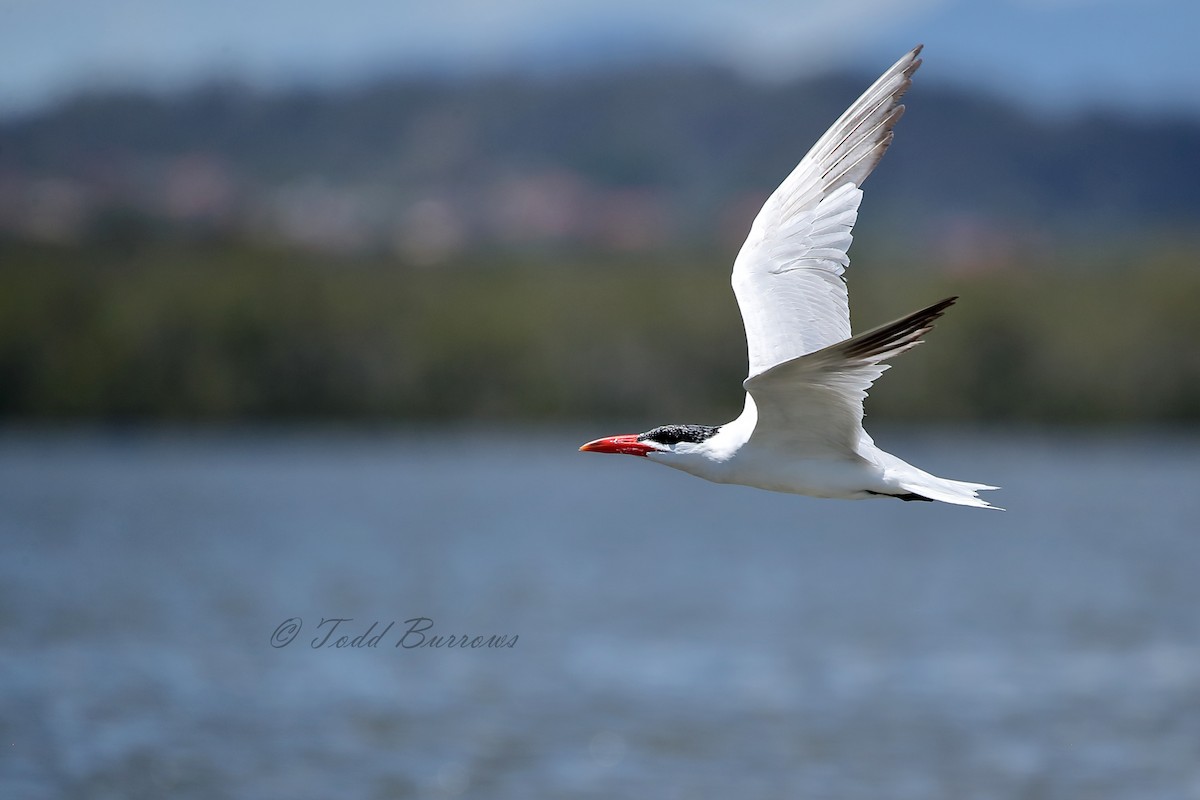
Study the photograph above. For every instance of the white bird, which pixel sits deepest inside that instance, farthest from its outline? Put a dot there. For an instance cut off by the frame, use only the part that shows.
(801, 428)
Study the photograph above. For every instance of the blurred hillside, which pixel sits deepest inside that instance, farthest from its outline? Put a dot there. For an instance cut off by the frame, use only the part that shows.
(639, 160)
(525, 250)
(221, 332)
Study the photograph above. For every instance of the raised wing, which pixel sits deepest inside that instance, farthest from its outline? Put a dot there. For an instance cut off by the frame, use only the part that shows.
(788, 275)
(814, 404)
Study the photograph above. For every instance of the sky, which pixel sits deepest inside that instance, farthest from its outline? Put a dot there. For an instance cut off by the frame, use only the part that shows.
(1062, 55)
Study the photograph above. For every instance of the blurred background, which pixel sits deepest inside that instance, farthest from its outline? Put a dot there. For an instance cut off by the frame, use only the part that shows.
(303, 313)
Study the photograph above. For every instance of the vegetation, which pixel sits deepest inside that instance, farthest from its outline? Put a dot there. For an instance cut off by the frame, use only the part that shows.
(184, 270)
(518, 160)
(229, 332)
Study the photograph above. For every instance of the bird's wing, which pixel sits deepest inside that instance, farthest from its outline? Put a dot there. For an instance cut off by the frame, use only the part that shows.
(814, 404)
(788, 275)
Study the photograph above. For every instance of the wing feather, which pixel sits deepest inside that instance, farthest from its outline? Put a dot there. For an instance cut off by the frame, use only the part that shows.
(814, 403)
(788, 274)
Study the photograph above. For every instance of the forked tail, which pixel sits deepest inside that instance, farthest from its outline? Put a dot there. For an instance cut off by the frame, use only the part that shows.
(960, 493)
(919, 482)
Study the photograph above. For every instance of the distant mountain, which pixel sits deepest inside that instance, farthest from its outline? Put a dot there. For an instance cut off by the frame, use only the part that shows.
(640, 159)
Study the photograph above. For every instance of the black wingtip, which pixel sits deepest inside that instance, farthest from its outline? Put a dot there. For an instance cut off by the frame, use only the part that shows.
(916, 62)
(895, 337)
(942, 305)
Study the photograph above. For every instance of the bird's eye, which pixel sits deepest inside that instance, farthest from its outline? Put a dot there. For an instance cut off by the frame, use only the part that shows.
(674, 434)
(663, 435)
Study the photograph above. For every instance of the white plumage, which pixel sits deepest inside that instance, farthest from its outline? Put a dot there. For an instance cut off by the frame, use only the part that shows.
(801, 428)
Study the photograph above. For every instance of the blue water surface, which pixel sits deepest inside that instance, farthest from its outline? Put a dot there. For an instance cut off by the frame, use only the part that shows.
(670, 638)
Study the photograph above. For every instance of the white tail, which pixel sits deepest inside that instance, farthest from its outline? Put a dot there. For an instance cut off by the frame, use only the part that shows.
(910, 479)
(960, 493)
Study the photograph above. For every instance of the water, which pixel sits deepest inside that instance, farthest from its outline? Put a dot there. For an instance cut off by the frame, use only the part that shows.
(675, 639)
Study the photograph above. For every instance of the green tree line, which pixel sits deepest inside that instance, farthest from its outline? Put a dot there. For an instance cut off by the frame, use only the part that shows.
(226, 332)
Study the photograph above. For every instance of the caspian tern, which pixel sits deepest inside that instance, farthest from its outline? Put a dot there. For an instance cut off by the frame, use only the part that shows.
(801, 428)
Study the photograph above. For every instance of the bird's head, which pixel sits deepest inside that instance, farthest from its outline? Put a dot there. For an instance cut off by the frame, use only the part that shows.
(666, 441)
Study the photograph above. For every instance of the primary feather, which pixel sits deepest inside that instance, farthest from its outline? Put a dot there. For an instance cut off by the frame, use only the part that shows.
(788, 275)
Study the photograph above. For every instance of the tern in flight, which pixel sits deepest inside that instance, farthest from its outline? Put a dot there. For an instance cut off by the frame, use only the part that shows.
(801, 429)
